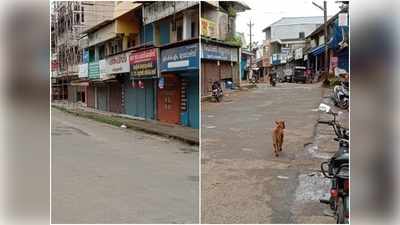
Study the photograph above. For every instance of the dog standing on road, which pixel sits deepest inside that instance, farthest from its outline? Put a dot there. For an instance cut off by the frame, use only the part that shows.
(277, 136)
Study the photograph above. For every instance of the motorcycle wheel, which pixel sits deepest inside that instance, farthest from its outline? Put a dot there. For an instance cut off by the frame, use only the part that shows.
(344, 104)
(340, 212)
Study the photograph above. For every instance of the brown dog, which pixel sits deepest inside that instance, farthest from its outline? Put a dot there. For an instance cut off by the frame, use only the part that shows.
(277, 136)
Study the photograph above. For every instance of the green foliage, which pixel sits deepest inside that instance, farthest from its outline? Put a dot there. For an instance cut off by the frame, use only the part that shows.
(235, 40)
(231, 12)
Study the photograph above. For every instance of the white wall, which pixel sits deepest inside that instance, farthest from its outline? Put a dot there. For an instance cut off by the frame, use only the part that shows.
(291, 31)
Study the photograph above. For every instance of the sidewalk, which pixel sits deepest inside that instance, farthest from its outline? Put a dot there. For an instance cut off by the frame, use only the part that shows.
(182, 133)
(324, 134)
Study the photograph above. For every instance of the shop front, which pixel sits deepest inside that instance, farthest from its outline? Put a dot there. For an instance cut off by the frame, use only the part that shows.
(140, 86)
(218, 63)
(178, 86)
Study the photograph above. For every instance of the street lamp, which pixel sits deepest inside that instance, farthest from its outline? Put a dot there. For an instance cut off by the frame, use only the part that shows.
(324, 8)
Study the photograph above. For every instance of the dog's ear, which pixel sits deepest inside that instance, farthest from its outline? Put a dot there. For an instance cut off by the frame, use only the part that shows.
(283, 124)
(276, 122)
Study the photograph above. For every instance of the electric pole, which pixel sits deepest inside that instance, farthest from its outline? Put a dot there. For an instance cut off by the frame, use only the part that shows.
(326, 40)
(250, 24)
(324, 8)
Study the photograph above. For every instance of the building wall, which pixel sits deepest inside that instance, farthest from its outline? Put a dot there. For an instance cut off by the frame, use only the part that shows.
(220, 19)
(291, 31)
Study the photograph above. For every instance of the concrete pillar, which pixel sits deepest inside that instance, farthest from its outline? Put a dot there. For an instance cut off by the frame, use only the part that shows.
(187, 22)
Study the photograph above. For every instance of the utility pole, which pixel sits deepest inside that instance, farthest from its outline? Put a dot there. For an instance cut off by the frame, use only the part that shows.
(324, 8)
(250, 24)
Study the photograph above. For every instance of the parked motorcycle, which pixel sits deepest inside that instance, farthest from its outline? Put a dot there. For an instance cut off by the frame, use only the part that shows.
(341, 95)
(217, 92)
(253, 79)
(272, 80)
(337, 169)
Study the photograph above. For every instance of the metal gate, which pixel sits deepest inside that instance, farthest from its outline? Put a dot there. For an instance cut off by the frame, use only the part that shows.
(102, 98)
(139, 102)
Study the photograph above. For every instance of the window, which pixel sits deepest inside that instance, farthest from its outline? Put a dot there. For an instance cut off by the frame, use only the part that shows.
(193, 29)
(102, 52)
(301, 35)
(179, 29)
(132, 40)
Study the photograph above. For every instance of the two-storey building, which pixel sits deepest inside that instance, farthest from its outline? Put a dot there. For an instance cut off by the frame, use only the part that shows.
(220, 47)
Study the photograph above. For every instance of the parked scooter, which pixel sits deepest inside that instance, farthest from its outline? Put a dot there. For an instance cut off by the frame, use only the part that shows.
(337, 169)
(217, 91)
(341, 95)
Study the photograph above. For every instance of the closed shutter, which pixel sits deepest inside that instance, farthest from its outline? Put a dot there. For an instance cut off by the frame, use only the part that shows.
(226, 70)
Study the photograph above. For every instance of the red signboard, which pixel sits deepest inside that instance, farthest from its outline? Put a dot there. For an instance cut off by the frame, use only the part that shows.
(143, 56)
(54, 65)
(143, 63)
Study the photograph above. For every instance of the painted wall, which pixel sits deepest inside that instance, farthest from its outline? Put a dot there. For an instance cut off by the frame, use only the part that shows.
(291, 31)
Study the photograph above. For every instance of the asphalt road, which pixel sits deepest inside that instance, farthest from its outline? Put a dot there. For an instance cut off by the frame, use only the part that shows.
(106, 174)
(242, 181)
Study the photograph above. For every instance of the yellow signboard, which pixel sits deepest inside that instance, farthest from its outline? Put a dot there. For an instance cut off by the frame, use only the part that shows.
(208, 28)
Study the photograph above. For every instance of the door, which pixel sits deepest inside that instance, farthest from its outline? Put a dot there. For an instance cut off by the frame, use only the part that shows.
(169, 100)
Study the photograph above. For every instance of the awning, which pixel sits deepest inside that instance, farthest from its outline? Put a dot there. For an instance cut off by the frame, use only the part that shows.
(317, 50)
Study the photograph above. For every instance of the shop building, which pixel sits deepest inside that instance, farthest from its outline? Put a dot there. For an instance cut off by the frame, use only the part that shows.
(178, 87)
(219, 62)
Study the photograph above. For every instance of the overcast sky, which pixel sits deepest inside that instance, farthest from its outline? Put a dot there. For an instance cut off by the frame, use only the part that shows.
(265, 12)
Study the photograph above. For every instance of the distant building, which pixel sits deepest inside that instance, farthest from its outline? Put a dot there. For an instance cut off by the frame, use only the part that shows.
(68, 20)
(220, 45)
(338, 44)
(284, 43)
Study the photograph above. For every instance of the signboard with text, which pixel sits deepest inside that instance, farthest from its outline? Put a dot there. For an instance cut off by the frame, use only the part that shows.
(209, 51)
(117, 64)
(180, 58)
(94, 70)
(208, 28)
(83, 70)
(143, 63)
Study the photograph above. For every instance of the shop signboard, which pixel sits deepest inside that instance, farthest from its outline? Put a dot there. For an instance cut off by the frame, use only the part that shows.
(298, 54)
(343, 21)
(275, 59)
(208, 28)
(94, 70)
(143, 63)
(102, 69)
(180, 58)
(117, 64)
(83, 70)
(210, 51)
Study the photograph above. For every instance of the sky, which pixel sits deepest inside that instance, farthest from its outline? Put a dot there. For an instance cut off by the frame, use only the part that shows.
(265, 12)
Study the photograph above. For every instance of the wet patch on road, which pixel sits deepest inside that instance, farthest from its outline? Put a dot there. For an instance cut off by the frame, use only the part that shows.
(311, 187)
